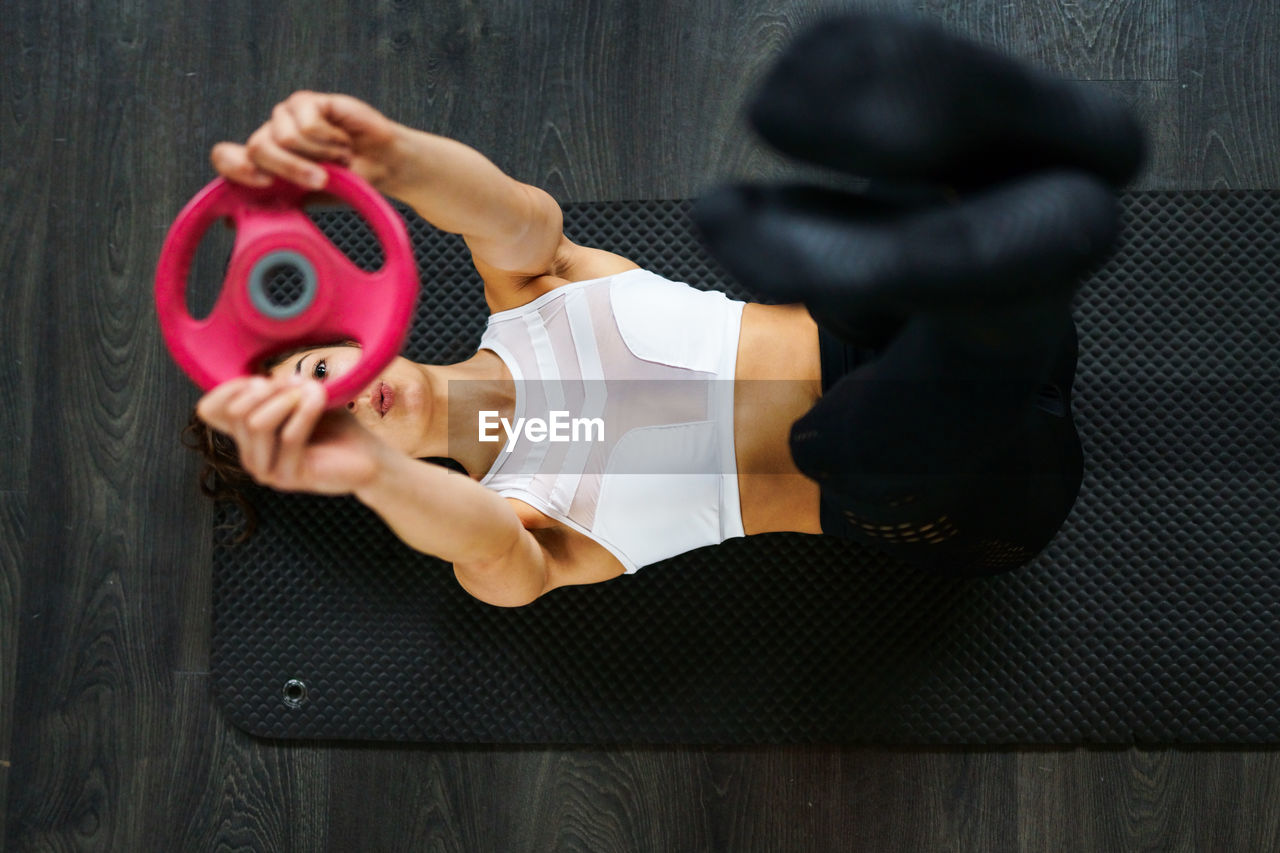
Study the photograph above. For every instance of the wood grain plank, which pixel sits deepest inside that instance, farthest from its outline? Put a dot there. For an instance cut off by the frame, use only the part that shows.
(13, 524)
(1140, 799)
(1084, 788)
(1243, 806)
(778, 798)
(1230, 94)
(219, 789)
(1157, 106)
(933, 799)
(618, 800)
(93, 681)
(522, 799)
(594, 100)
(679, 798)
(26, 125)
(1105, 40)
(450, 799)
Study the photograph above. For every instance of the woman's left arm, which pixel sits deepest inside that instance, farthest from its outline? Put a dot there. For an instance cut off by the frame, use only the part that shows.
(448, 515)
(508, 225)
(514, 230)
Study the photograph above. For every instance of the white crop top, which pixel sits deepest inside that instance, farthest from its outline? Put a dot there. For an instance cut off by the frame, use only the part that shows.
(632, 376)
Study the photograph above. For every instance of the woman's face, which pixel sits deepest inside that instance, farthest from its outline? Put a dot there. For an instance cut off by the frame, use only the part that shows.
(395, 406)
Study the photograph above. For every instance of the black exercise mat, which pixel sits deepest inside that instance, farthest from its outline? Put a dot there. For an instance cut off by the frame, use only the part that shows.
(1151, 618)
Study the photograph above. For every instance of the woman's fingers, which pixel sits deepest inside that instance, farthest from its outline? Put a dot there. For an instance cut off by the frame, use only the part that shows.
(213, 406)
(272, 422)
(307, 112)
(306, 129)
(233, 163)
(363, 124)
(297, 127)
(258, 437)
(270, 156)
(290, 144)
(296, 434)
(252, 394)
(209, 408)
(297, 136)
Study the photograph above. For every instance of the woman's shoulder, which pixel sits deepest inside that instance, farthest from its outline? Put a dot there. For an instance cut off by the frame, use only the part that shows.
(577, 557)
(572, 263)
(583, 263)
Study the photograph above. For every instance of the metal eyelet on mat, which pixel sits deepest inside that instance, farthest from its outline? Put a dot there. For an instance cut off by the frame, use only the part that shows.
(295, 693)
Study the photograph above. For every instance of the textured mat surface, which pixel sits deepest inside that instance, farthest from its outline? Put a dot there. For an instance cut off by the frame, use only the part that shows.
(1153, 617)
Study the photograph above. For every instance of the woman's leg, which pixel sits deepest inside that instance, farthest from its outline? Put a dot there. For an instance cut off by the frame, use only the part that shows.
(940, 449)
(954, 449)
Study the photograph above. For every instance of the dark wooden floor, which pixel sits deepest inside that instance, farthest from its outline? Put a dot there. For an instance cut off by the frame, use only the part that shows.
(109, 739)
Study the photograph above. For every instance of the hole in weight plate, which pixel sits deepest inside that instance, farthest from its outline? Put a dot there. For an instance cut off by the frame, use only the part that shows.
(285, 284)
(282, 284)
(350, 233)
(209, 268)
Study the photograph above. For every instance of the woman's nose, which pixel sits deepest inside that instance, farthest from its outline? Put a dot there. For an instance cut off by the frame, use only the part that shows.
(351, 406)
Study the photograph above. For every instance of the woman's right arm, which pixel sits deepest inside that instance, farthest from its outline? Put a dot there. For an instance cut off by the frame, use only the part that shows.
(288, 442)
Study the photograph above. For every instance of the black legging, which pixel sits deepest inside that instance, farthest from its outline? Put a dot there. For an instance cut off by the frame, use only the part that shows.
(952, 447)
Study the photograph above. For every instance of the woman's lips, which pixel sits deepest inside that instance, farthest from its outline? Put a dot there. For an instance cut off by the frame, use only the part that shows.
(382, 398)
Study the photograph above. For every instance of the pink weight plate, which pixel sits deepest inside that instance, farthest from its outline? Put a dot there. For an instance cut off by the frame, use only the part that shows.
(339, 301)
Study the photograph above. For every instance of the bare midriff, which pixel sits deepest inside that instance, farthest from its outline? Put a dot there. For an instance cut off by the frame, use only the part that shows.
(778, 378)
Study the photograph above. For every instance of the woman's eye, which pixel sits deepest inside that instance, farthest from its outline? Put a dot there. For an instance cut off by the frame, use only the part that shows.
(320, 369)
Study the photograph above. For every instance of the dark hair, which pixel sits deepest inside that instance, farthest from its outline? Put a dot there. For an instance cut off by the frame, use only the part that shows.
(221, 477)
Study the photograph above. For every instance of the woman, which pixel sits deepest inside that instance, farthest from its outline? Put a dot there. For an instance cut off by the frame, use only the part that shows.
(927, 415)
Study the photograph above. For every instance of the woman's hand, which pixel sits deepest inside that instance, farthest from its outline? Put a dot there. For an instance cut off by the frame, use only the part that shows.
(287, 441)
(311, 127)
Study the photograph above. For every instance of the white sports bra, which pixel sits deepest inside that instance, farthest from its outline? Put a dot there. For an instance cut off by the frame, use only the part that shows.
(631, 377)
